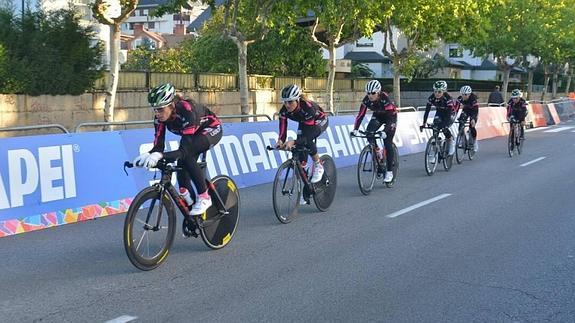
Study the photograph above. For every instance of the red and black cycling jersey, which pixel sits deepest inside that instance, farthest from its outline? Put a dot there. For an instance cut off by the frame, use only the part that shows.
(519, 107)
(187, 119)
(470, 106)
(307, 113)
(444, 106)
(383, 109)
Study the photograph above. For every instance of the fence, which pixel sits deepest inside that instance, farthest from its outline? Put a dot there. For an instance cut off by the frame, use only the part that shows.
(220, 81)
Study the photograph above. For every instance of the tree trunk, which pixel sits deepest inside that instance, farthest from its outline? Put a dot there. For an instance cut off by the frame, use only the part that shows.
(529, 83)
(506, 72)
(568, 85)
(545, 86)
(331, 78)
(546, 73)
(114, 66)
(243, 77)
(397, 82)
(554, 87)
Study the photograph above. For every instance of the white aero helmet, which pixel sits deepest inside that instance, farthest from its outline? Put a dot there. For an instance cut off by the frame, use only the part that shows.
(372, 86)
(466, 89)
(291, 92)
(516, 93)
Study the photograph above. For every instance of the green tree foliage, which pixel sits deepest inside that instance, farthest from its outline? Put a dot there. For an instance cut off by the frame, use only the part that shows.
(48, 53)
(290, 52)
(286, 54)
(360, 70)
(421, 25)
(175, 60)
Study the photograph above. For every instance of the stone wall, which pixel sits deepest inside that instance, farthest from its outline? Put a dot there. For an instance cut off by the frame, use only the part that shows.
(69, 111)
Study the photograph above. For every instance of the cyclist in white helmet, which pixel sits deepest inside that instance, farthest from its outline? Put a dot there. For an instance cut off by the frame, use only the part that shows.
(312, 121)
(470, 109)
(444, 111)
(199, 128)
(384, 112)
(517, 109)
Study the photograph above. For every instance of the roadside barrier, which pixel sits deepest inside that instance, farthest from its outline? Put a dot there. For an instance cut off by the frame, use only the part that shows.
(51, 180)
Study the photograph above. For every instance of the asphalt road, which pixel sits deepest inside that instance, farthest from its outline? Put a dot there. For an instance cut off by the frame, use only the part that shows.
(495, 242)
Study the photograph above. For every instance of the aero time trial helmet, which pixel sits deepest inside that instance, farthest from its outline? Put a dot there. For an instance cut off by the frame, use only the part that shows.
(161, 95)
(440, 86)
(291, 92)
(516, 93)
(372, 86)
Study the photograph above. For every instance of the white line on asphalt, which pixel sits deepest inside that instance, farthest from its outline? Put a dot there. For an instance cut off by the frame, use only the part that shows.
(418, 205)
(533, 161)
(559, 129)
(535, 129)
(122, 319)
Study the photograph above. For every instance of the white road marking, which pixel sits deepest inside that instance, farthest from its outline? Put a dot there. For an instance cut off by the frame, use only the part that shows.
(533, 161)
(559, 129)
(535, 129)
(122, 319)
(418, 205)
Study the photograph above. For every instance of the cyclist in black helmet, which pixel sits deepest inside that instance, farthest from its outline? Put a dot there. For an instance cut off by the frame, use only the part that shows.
(312, 122)
(384, 112)
(199, 128)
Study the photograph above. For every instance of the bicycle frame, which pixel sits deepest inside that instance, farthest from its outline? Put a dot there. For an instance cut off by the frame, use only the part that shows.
(167, 168)
(380, 134)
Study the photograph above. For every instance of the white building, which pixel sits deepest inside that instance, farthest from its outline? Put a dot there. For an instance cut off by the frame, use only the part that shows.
(166, 24)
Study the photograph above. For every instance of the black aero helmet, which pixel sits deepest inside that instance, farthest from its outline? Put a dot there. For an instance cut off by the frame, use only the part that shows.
(291, 92)
(161, 95)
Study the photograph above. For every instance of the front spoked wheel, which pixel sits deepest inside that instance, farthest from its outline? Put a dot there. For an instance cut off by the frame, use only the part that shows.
(286, 192)
(471, 150)
(366, 170)
(395, 168)
(218, 224)
(519, 141)
(511, 142)
(325, 189)
(149, 229)
(447, 159)
(461, 147)
(431, 156)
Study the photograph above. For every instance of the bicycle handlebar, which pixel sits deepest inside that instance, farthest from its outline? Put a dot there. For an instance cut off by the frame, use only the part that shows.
(163, 165)
(370, 134)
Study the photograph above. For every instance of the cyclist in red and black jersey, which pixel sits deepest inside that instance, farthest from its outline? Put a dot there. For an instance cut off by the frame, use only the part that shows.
(384, 112)
(517, 109)
(312, 122)
(444, 111)
(470, 109)
(199, 128)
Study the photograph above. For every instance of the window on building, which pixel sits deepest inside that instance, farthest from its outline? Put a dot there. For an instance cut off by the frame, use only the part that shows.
(151, 25)
(131, 26)
(455, 51)
(145, 12)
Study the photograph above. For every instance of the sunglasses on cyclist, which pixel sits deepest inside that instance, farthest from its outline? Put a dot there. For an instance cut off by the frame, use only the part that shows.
(160, 109)
(371, 93)
(438, 91)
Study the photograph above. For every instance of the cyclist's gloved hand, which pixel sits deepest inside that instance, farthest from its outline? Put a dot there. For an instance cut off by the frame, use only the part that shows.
(355, 132)
(421, 128)
(140, 160)
(153, 159)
